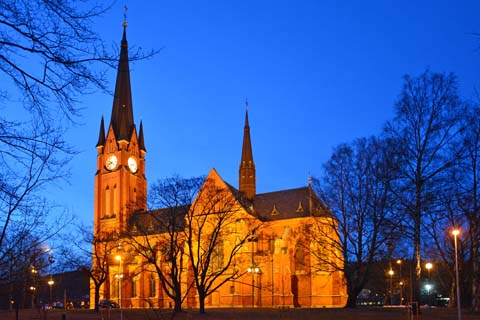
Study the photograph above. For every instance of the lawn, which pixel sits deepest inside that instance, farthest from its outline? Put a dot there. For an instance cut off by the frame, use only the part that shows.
(244, 314)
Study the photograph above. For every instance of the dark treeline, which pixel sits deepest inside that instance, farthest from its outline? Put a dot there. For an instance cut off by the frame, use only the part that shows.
(399, 195)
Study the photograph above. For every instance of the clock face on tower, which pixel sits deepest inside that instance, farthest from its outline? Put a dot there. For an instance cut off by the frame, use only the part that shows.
(132, 164)
(111, 162)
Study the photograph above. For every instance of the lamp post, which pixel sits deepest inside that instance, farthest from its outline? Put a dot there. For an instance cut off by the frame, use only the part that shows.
(119, 276)
(399, 262)
(33, 288)
(455, 233)
(390, 272)
(50, 284)
(429, 267)
(253, 269)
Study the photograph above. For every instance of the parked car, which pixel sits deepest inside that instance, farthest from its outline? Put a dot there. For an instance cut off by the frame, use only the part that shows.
(108, 304)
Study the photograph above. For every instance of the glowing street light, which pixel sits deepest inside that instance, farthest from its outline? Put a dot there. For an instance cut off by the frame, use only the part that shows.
(119, 276)
(391, 273)
(456, 233)
(399, 262)
(428, 286)
(429, 266)
(50, 284)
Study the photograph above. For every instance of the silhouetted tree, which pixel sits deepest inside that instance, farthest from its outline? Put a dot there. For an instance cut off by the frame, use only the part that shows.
(215, 233)
(427, 126)
(157, 235)
(91, 255)
(356, 187)
(50, 55)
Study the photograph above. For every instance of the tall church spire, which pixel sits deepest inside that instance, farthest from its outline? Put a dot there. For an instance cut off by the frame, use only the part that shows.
(247, 178)
(122, 109)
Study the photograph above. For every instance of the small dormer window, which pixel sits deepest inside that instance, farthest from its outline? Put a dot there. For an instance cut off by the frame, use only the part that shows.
(274, 210)
(300, 207)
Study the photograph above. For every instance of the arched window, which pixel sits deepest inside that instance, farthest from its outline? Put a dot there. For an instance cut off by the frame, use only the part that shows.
(134, 201)
(152, 287)
(134, 287)
(300, 261)
(115, 199)
(107, 201)
(115, 287)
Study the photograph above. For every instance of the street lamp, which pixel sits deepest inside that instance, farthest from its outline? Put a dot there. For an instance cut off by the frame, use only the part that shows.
(390, 272)
(50, 284)
(399, 262)
(32, 288)
(253, 269)
(429, 267)
(455, 233)
(119, 276)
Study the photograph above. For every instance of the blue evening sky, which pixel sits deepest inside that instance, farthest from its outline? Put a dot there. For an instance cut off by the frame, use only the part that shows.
(316, 74)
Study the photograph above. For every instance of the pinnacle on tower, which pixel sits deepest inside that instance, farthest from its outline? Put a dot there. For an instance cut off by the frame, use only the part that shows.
(101, 134)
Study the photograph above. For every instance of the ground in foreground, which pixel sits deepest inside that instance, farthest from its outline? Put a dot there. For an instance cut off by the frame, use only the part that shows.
(243, 314)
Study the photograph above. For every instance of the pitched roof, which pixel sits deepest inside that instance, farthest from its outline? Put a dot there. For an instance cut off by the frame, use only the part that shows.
(271, 206)
(158, 220)
(287, 204)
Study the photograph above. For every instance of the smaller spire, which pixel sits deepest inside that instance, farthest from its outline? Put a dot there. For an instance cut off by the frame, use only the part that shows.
(247, 177)
(101, 134)
(141, 141)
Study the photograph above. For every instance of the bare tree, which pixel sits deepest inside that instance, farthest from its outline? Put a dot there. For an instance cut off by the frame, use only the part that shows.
(462, 208)
(91, 255)
(50, 55)
(427, 127)
(215, 232)
(157, 235)
(356, 187)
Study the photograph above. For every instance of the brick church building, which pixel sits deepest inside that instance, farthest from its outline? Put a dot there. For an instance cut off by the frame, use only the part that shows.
(280, 266)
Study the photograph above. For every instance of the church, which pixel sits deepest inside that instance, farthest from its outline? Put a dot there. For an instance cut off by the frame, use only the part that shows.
(266, 254)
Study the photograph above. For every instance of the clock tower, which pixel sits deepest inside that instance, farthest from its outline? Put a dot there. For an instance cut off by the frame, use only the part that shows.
(120, 182)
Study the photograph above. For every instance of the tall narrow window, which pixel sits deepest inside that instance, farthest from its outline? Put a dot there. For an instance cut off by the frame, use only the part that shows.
(115, 199)
(134, 287)
(134, 201)
(152, 288)
(107, 201)
(300, 256)
(115, 288)
(217, 256)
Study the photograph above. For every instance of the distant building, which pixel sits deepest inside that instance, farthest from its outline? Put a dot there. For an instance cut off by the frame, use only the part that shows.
(285, 275)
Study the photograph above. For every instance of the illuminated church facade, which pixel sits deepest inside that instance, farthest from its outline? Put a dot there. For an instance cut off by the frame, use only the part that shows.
(278, 269)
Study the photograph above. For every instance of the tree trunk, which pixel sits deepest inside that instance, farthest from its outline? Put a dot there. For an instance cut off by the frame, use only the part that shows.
(97, 296)
(351, 301)
(453, 297)
(201, 301)
(178, 303)
(475, 267)
(416, 292)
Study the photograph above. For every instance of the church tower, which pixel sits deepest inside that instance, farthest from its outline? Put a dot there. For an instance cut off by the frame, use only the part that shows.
(120, 182)
(246, 178)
